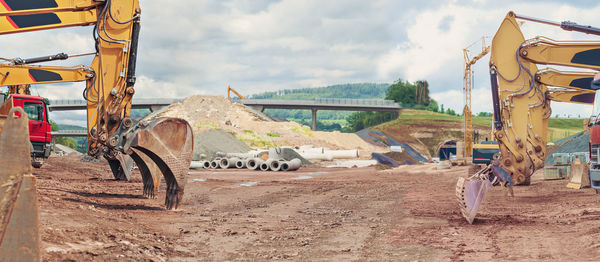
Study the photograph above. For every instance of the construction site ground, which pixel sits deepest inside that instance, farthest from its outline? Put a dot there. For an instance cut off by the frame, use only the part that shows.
(404, 214)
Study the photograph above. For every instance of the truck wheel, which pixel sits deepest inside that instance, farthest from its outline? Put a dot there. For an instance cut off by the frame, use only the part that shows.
(36, 164)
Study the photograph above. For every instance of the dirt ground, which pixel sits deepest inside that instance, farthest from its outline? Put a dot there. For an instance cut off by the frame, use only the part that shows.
(314, 214)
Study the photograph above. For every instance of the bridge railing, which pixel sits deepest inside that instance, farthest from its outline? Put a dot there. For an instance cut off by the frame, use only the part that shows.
(67, 102)
(350, 101)
(326, 101)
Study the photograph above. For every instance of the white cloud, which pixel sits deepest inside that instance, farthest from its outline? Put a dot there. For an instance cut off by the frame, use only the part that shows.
(199, 47)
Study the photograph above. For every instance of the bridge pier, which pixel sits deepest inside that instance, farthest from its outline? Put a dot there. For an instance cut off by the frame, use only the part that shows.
(314, 119)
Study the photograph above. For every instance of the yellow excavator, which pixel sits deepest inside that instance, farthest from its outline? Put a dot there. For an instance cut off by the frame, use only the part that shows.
(521, 101)
(20, 74)
(159, 146)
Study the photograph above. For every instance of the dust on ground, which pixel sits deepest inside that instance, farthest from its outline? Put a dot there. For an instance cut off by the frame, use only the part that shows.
(205, 112)
(403, 214)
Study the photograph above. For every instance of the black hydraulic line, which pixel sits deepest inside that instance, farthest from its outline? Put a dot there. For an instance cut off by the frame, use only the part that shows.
(135, 33)
(570, 26)
(565, 25)
(495, 99)
(60, 56)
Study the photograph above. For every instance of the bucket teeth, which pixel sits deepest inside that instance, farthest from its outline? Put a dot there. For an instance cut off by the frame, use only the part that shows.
(121, 166)
(165, 145)
(150, 173)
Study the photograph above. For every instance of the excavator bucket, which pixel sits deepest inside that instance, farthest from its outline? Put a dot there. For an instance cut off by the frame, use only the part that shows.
(470, 194)
(580, 177)
(19, 219)
(162, 146)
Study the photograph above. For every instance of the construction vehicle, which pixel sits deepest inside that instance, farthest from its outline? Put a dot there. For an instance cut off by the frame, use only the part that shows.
(19, 79)
(157, 145)
(521, 102)
(19, 74)
(229, 90)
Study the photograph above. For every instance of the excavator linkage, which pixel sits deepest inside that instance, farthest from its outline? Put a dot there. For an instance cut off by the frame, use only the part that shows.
(19, 219)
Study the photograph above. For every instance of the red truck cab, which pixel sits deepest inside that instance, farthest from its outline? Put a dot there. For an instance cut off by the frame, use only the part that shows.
(39, 126)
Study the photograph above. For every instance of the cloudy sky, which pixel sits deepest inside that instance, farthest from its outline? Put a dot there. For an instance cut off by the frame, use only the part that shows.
(201, 46)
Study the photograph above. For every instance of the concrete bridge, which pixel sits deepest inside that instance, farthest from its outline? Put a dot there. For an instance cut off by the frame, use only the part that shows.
(138, 103)
(325, 104)
(69, 133)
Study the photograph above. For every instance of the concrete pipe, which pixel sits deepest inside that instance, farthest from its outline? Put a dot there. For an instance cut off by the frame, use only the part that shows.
(249, 154)
(215, 163)
(240, 163)
(206, 164)
(353, 153)
(305, 147)
(316, 150)
(197, 165)
(312, 156)
(254, 163)
(275, 165)
(266, 166)
(291, 165)
(228, 162)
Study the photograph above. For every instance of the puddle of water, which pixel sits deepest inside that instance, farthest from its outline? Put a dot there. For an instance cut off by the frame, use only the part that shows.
(318, 173)
(198, 180)
(302, 177)
(249, 184)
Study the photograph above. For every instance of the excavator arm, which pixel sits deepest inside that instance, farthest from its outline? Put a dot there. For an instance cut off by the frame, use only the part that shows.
(521, 101)
(573, 87)
(33, 15)
(11, 75)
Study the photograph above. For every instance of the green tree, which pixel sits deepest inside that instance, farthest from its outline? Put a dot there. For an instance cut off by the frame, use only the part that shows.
(66, 141)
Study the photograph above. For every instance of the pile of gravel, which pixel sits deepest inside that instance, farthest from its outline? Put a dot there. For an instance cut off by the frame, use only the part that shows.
(210, 142)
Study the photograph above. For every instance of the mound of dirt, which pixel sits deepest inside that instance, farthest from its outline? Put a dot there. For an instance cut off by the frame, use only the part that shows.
(216, 112)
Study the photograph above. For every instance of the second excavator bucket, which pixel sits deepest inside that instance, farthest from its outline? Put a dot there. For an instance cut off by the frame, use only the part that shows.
(580, 176)
(19, 220)
(162, 146)
(470, 194)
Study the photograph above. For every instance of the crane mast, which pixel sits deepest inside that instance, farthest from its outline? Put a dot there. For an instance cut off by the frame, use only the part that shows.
(467, 85)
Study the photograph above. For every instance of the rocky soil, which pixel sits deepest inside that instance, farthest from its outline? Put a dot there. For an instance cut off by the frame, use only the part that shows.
(314, 214)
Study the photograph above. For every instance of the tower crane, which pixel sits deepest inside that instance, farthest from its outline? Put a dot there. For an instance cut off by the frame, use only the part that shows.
(467, 89)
